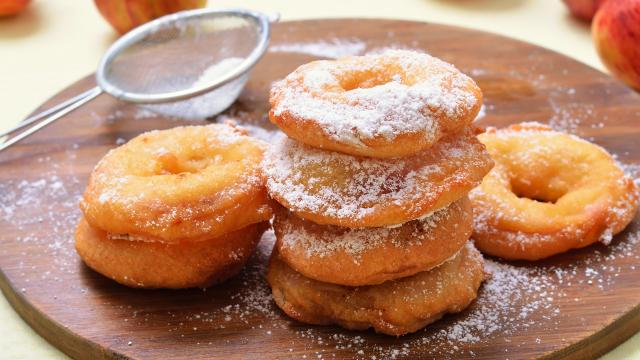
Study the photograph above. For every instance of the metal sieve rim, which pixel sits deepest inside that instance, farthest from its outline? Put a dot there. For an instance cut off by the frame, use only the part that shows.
(142, 31)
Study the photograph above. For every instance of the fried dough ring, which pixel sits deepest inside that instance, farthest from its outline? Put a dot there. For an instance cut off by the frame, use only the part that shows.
(548, 193)
(393, 104)
(151, 264)
(187, 183)
(370, 256)
(336, 189)
(395, 307)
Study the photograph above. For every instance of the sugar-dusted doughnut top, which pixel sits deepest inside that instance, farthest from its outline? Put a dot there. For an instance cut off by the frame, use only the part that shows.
(332, 188)
(186, 183)
(549, 192)
(392, 104)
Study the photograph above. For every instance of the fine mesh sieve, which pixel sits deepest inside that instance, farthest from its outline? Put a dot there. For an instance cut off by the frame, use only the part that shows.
(191, 64)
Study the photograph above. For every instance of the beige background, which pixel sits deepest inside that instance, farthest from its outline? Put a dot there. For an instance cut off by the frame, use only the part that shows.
(56, 42)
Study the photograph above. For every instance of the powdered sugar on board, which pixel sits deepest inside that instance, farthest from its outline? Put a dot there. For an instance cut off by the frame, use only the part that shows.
(334, 48)
(331, 48)
(49, 201)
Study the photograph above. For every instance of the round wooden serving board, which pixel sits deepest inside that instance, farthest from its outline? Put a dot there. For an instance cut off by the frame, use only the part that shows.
(576, 305)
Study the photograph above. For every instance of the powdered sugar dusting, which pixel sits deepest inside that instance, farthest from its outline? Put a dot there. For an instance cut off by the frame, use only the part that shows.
(295, 172)
(115, 176)
(254, 130)
(333, 48)
(632, 170)
(51, 199)
(212, 102)
(496, 204)
(383, 111)
(567, 118)
(356, 241)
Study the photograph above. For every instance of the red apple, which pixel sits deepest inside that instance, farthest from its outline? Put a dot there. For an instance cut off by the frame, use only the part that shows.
(616, 33)
(12, 7)
(124, 15)
(583, 9)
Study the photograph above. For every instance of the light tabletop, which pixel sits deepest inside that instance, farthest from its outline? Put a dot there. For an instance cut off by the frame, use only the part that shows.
(57, 42)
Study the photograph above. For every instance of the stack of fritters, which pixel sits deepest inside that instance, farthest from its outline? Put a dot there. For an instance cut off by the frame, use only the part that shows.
(374, 221)
(175, 208)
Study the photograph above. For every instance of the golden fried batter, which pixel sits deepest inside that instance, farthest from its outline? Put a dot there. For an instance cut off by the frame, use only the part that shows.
(393, 104)
(370, 256)
(549, 192)
(395, 307)
(335, 189)
(186, 183)
(152, 264)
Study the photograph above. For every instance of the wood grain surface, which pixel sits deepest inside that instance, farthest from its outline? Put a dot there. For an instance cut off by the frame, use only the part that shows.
(577, 305)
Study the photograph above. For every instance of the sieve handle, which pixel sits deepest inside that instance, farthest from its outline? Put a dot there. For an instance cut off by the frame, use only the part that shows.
(54, 113)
